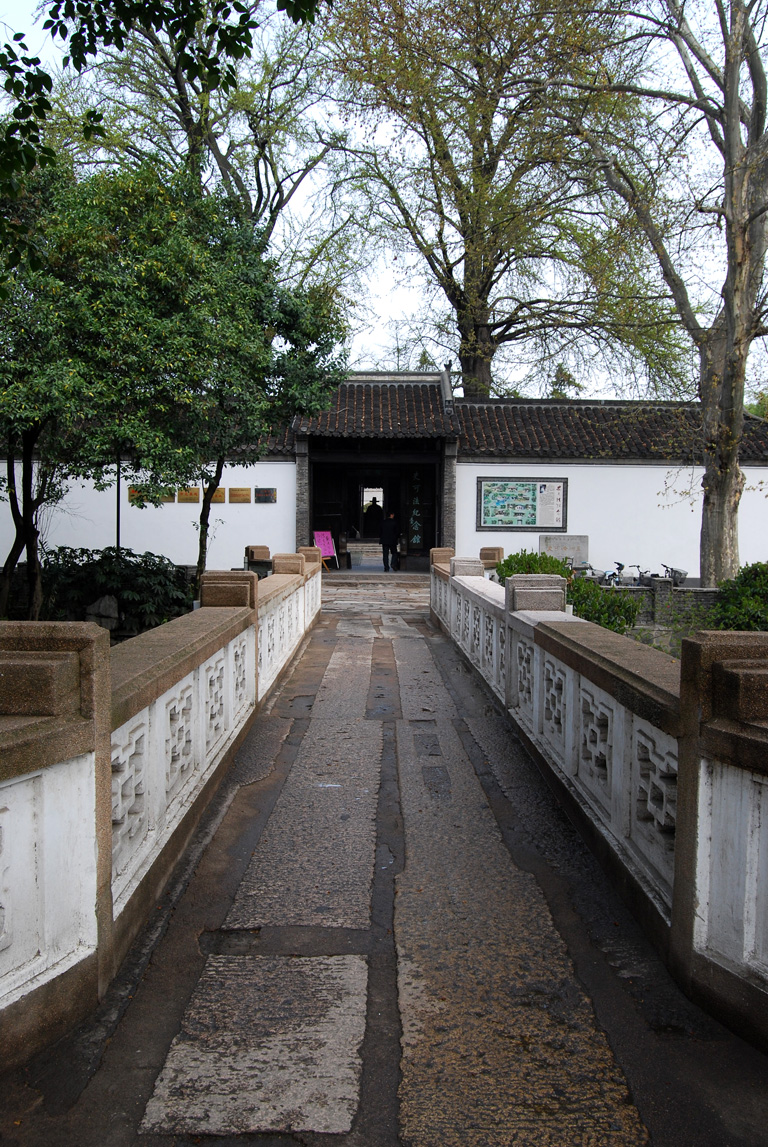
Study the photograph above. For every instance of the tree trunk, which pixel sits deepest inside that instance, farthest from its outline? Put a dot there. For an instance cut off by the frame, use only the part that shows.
(17, 549)
(6, 577)
(719, 554)
(723, 368)
(34, 574)
(475, 356)
(30, 503)
(209, 489)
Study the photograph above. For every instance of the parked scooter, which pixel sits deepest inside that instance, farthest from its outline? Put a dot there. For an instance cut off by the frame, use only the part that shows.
(617, 578)
(678, 576)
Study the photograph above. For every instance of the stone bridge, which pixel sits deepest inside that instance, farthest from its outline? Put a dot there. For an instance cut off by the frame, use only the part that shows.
(342, 902)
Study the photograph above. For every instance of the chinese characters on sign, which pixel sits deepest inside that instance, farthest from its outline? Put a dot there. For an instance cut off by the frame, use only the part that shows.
(522, 503)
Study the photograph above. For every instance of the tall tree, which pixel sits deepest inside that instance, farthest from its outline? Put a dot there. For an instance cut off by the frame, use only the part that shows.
(459, 164)
(153, 324)
(267, 143)
(685, 149)
(89, 26)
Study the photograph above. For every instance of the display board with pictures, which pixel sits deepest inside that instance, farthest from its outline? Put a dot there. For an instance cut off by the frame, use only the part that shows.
(524, 504)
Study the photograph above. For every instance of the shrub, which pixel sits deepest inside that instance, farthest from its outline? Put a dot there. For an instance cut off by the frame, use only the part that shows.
(612, 608)
(742, 603)
(530, 563)
(149, 588)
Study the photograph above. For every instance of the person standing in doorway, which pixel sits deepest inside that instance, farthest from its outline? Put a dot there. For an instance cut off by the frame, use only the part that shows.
(372, 519)
(390, 535)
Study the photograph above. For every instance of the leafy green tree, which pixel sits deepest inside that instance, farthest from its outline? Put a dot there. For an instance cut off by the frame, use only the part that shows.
(154, 321)
(669, 112)
(564, 384)
(759, 405)
(458, 166)
(90, 26)
(266, 143)
(742, 602)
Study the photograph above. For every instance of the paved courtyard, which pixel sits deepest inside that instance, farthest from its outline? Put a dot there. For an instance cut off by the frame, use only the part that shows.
(385, 933)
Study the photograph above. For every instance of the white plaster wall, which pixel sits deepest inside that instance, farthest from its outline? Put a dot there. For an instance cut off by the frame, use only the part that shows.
(86, 517)
(631, 513)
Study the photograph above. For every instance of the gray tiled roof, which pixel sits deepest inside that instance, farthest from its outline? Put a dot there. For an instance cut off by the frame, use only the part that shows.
(411, 406)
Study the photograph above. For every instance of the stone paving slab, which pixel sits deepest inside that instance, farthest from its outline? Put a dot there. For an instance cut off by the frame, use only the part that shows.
(314, 861)
(423, 695)
(267, 1044)
(388, 593)
(344, 688)
(500, 1044)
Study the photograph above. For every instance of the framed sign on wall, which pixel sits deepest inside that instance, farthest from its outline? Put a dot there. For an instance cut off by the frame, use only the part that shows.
(524, 504)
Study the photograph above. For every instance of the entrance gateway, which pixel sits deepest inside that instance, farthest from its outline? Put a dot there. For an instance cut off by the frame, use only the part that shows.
(388, 437)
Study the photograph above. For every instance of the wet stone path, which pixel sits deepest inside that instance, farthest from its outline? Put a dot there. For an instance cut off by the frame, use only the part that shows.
(387, 933)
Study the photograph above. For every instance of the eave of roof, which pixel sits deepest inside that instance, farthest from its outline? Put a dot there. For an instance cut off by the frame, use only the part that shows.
(376, 405)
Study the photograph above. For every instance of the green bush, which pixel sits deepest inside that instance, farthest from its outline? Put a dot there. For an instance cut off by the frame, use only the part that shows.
(743, 602)
(149, 588)
(530, 563)
(612, 608)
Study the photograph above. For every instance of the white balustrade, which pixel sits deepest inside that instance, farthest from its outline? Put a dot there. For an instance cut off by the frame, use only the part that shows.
(284, 617)
(621, 769)
(479, 624)
(162, 757)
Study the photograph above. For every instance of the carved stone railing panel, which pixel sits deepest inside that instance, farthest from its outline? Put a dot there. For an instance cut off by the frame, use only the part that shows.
(180, 756)
(213, 675)
(312, 597)
(653, 805)
(163, 756)
(732, 879)
(282, 622)
(597, 719)
(554, 706)
(130, 813)
(475, 646)
(478, 623)
(524, 670)
(241, 695)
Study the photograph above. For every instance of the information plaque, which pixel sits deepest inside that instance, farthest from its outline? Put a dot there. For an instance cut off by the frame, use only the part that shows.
(523, 504)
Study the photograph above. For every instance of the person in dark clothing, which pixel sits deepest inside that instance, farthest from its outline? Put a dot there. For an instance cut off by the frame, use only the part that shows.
(390, 535)
(372, 519)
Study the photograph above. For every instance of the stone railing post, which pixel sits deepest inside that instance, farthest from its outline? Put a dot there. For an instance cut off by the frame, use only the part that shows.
(288, 563)
(718, 947)
(535, 592)
(55, 785)
(229, 588)
(490, 556)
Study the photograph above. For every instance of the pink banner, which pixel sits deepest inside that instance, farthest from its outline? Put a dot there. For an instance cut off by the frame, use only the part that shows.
(324, 540)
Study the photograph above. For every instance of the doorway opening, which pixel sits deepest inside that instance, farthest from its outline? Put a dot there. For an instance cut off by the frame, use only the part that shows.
(371, 512)
(343, 489)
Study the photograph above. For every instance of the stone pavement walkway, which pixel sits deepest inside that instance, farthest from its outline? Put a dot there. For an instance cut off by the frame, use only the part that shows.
(387, 933)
